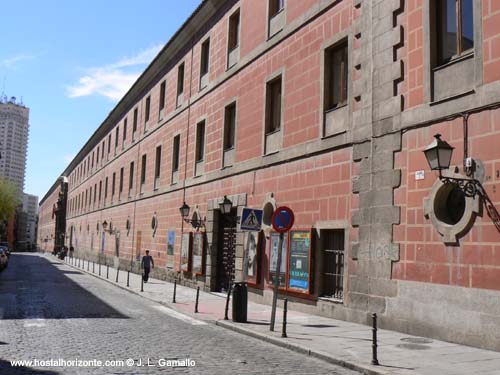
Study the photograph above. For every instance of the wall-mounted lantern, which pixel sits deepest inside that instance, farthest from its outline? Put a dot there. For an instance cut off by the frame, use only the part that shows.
(196, 222)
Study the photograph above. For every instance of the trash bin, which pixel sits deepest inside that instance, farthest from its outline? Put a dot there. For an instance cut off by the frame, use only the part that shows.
(240, 302)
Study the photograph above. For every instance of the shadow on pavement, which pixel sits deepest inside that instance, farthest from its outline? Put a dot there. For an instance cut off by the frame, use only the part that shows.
(6, 368)
(33, 287)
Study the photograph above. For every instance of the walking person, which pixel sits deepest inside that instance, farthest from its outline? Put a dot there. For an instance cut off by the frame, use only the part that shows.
(147, 263)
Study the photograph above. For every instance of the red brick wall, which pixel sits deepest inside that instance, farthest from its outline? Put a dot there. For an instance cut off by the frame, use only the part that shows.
(476, 262)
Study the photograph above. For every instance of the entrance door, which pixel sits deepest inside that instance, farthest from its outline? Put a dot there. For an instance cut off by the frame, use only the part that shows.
(226, 252)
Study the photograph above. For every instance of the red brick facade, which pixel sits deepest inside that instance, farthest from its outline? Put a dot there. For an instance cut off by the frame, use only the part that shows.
(355, 176)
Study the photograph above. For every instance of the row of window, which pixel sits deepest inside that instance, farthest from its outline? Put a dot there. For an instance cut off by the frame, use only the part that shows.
(454, 20)
(275, 7)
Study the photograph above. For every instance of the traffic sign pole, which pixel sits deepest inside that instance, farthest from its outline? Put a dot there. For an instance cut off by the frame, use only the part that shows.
(276, 282)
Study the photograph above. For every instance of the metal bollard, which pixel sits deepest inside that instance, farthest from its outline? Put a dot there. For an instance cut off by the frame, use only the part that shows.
(197, 298)
(128, 279)
(93, 267)
(107, 271)
(226, 311)
(78, 262)
(88, 265)
(142, 284)
(374, 339)
(117, 273)
(285, 310)
(175, 290)
(99, 267)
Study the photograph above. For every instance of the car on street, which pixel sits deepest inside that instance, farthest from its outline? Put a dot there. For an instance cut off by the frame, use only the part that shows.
(4, 259)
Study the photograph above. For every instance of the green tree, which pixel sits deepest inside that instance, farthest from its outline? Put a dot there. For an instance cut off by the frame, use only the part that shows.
(9, 199)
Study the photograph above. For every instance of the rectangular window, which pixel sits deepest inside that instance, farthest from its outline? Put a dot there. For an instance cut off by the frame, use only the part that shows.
(332, 285)
(106, 189)
(113, 185)
(109, 143)
(180, 85)
(90, 197)
(229, 126)
(131, 177)
(134, 124)
(205, 54)
(176, 153)
(95, 193)
(148, 107)
(275, 6)
(102, 151)
(273, 103)
(92, 159)
(200, 141)
(234, 31)
(117, 135)
(100, 191)
(336, 76)
(455, 27)
(124, 130)
(162, 94)
(157, 167)
(121, 182)
(97, 154)
(143, 170)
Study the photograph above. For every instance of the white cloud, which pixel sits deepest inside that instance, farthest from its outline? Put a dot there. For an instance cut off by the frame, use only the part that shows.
(68, 158)
(11, 62)
(113, 81)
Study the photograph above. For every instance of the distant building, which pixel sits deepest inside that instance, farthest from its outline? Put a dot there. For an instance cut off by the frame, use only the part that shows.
(30, 207)
(14, 128)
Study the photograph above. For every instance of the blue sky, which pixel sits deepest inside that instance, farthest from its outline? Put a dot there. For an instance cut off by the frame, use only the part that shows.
(71, 61)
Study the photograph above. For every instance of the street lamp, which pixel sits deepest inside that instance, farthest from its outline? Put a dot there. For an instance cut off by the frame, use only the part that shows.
(196, 223)
(105, 227)
(226, 205)
(438, 154)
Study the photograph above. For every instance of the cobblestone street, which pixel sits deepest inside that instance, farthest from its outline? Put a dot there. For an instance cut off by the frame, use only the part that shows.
(51, 311)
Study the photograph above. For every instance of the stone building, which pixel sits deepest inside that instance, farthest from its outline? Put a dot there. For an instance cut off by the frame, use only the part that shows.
(325, 107)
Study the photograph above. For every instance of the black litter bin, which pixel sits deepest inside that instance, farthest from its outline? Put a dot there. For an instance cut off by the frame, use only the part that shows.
(240, 302)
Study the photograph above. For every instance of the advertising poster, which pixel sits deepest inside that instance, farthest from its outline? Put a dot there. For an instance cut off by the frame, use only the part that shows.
(185, 252)
(300, 246)
(273, 261)
(170, 242)
(198, 253)
(250, 263)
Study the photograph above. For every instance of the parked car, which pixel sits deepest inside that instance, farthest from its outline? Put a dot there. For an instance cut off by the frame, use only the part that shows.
(4, 259)
(6, 249)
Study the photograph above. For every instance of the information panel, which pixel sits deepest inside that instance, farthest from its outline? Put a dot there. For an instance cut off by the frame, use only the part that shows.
(300, 251)
(275, 238)
(186, 252)
(198, 253)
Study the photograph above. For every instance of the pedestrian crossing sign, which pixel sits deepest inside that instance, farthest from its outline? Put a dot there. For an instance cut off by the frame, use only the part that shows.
(251, 219)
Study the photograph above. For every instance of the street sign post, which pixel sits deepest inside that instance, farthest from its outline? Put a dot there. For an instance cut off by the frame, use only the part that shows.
(251, 219)
(282, 221)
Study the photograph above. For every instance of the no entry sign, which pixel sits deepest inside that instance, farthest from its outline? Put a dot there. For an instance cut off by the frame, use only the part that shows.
(282, 219)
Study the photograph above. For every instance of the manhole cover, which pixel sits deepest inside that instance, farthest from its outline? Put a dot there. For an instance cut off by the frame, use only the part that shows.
(416, 340)
(413, 346)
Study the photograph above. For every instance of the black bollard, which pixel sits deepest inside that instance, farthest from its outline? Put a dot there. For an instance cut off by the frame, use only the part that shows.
(226, 311)
(142, 284)
(99, 267)
(175, 290)
(128, 279)
(117, 273)
(88, 265)
(78, 262)
(93, 267)
(197, 297)
(283, 329)
(107, 271)
(374, 339)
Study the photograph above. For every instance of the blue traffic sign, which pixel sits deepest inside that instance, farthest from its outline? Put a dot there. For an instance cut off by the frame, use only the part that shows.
(282, 219)
(251, 219)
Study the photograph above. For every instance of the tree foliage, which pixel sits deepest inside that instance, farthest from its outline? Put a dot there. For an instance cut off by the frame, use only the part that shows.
(9, 199)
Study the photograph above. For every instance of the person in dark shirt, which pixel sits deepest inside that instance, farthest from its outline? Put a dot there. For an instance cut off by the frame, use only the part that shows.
(147, 263)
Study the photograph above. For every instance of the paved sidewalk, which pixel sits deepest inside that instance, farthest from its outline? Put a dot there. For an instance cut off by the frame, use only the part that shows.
(336, 341)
